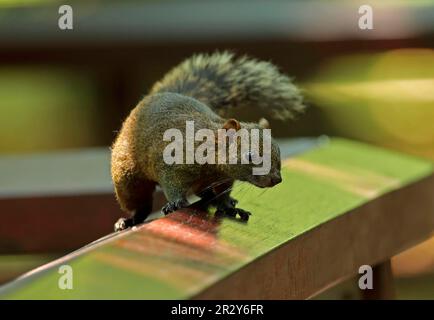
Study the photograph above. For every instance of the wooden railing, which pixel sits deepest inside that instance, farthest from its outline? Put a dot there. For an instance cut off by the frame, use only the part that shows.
(342, 204)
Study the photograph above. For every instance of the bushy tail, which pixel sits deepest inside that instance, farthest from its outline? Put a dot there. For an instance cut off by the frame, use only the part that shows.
(222, 81)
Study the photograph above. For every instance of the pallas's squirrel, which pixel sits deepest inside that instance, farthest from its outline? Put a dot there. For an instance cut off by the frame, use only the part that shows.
(203, 89)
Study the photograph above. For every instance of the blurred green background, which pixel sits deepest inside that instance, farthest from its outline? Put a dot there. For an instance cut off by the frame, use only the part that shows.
(71, 89)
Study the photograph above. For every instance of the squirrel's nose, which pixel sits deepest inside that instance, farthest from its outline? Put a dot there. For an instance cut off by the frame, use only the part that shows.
(276, 180)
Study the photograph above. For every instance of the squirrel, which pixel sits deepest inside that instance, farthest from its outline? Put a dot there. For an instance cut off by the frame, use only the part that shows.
(203, 88)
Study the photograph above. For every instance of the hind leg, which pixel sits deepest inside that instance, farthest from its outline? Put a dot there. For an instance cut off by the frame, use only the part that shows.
(135, 197)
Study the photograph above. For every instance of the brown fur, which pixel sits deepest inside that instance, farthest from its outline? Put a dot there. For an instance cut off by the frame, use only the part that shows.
(195, 90)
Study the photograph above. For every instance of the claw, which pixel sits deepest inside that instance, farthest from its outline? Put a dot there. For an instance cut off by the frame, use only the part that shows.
(244, 215)
(123, 223)
(233, 202)
(233, 212)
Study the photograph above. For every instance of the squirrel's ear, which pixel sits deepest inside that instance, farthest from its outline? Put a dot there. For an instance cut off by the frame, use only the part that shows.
(264, 124)
(232, 124)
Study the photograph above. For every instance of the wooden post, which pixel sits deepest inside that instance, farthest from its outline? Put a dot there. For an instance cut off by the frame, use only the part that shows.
(382, 282)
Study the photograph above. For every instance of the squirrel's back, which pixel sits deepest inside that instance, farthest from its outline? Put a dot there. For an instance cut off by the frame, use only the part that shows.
(194, 90)
(222, 81)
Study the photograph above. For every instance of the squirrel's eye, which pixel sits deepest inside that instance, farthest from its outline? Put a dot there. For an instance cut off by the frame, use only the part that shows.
(249, 156)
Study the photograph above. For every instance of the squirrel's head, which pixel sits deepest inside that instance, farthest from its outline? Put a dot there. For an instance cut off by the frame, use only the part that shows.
(257, 156)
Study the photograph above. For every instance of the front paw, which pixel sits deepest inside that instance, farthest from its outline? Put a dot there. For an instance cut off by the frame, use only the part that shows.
(233, 212)
(174, 205)
(226, 204)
